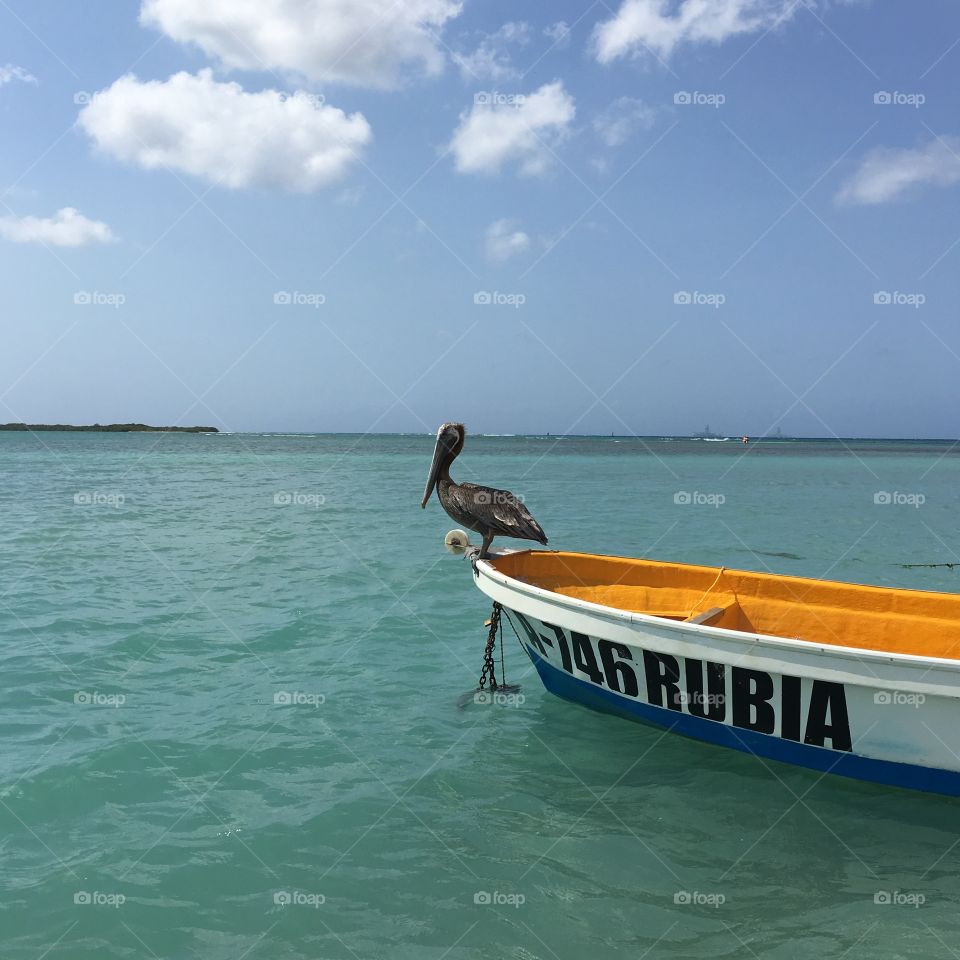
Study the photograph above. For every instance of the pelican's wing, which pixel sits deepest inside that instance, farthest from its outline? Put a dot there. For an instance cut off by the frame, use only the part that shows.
(501, 511)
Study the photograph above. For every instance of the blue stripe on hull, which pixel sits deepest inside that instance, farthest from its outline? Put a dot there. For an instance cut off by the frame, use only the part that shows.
(887, 772)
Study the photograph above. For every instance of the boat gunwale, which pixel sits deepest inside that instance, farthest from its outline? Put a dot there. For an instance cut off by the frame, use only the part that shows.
(615, 614)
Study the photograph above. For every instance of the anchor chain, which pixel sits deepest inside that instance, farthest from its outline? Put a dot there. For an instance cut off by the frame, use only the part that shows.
(489, 667)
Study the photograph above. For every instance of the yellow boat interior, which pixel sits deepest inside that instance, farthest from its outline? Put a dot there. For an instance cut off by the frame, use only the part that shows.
(915, 622)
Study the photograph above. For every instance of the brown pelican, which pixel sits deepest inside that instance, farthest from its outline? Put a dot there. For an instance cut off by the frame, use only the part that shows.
(487, 511)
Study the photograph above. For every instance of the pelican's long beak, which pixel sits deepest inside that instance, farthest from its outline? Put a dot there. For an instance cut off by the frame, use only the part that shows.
(438, 454)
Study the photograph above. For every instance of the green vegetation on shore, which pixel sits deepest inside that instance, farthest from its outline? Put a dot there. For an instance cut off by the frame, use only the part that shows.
(104, 428)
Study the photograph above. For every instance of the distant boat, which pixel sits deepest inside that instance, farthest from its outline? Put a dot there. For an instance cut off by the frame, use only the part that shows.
(855, 680)
(707, 434)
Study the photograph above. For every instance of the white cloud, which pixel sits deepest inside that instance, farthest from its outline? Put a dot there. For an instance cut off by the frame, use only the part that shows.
(221, 133)
(886, 173)
(641, 26)
(524, 130)
(66, 228)
(622, 119)
(503, 241)
(559, 33)
(491, 59)
(10, 72)
(363, 42)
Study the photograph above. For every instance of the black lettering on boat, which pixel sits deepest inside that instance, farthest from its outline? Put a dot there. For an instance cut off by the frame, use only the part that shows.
(584, 659)
(790, 708)
(564, 648)
(752, 693)
(828, 698)
(619, 674)
(663, 675)
(535, 638)
(711, 704)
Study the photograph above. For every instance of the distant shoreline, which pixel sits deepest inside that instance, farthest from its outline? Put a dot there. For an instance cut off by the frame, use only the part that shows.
(100, 428)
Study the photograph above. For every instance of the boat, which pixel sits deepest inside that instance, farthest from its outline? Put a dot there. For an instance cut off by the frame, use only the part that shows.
(860, 681)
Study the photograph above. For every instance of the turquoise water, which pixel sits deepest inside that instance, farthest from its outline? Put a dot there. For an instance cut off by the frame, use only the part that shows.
(231, 725)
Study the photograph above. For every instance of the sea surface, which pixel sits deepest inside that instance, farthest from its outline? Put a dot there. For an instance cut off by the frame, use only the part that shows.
(231, 673)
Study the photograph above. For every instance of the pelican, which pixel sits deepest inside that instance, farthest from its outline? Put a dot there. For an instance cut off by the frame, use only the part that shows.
(487, 511)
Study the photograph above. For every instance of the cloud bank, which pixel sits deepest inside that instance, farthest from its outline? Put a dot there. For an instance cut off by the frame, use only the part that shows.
(649, 26)
(66, 228)
(220, 133)
(370, 43)
(10, 72)
(524, 130)
(886, 173)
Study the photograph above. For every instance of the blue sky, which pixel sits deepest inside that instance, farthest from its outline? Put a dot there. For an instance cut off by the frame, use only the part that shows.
(741, 212)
